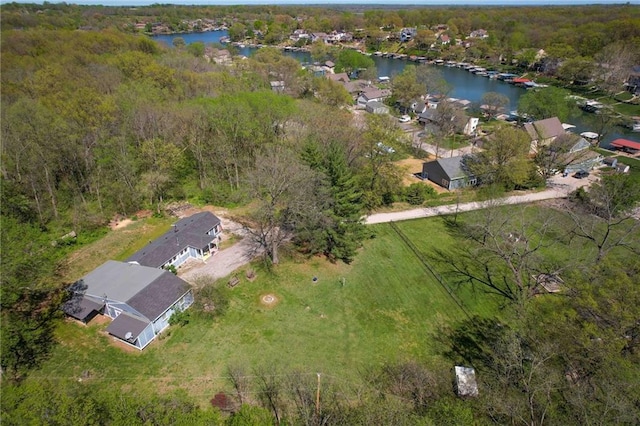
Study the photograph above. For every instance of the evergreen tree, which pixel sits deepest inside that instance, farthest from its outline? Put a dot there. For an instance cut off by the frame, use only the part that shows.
(347, 230)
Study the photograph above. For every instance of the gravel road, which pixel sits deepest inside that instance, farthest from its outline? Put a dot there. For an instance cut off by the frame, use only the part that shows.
(226, 261)
(559, 187)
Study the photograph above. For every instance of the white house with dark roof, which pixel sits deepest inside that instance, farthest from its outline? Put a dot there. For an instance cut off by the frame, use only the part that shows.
(139, 299)
(193, 237)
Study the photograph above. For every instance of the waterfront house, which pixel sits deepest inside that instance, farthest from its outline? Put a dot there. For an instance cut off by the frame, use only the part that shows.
(543, 132)
(323, 37)
(138, 299)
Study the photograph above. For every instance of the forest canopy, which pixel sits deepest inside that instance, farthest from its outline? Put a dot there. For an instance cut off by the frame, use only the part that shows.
(99, 121)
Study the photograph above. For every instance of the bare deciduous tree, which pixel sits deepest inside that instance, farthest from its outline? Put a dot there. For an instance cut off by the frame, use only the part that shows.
(240, 382)
(287, 192)
(270, 393)
(501, 253)
(607, 216)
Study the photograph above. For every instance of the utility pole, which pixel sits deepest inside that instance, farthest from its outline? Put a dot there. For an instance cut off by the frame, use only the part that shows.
(318, 397)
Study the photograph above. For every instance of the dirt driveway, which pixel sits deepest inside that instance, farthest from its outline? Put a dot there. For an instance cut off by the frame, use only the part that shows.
(224, 262)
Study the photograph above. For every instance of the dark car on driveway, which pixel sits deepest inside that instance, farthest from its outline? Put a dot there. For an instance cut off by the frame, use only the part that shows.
(581, 174)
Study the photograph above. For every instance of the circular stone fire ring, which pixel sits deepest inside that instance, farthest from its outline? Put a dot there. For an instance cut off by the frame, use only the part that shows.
(268, 300)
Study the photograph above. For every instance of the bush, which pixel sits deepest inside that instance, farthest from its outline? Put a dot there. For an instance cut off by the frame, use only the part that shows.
(210, 300)
(416, 193)
(179, 318)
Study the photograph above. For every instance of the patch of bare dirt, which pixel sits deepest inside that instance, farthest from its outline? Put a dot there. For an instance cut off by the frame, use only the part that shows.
(561, 204)
(119, 221)
(411, 166)
(269, 300)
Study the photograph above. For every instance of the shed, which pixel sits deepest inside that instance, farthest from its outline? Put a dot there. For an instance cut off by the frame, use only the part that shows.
(375, 107)
(622, 168)
(466, 384)
(551, 283)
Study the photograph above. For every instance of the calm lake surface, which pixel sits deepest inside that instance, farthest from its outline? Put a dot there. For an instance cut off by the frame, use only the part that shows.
(465, 85)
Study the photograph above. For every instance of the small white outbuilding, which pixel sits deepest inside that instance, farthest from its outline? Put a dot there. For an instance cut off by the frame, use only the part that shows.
(466, 384)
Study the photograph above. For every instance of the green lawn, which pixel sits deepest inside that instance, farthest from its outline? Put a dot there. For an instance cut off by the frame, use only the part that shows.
(634, 167)
(385, 307)
(116, 245)
(388, 309)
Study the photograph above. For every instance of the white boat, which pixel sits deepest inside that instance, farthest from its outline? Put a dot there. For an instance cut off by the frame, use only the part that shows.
(567, 126)
(636, 126)
(590, 136)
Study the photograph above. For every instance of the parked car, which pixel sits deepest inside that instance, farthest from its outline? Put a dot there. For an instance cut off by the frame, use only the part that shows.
(581, 174)
(404, 119)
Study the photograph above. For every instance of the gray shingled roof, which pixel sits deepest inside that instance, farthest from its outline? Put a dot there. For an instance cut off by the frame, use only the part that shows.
(126, 323)
(341, 76)
(80, 307)
(118, 280)
(428, 114)
(187, 232)
(373, 93)
(452, 166)
(544, 129)
(150, 291)
(159, 295)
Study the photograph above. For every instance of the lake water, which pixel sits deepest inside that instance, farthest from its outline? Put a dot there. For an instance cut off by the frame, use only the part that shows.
(465, 85)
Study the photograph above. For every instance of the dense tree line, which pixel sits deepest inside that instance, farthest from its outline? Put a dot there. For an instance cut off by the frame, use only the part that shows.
(566, 31)
(99, 123)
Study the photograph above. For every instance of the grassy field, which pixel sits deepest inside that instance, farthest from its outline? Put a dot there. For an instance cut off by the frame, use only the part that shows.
(387, 308)
(116, 245)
